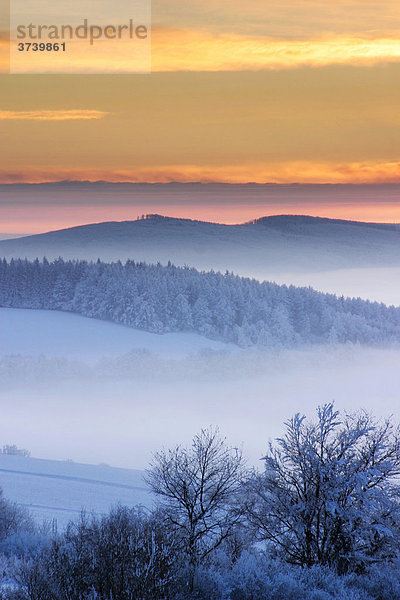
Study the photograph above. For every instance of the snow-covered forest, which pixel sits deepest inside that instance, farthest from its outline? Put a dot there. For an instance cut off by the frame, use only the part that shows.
(225, 307)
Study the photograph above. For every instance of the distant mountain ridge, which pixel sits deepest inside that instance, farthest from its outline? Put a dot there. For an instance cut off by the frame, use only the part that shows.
(261, 248)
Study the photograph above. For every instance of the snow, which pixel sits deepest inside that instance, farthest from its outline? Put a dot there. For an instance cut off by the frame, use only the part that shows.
(60, 490)
(52, 333)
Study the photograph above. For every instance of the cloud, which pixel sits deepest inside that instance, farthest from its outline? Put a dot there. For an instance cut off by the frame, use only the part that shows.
(286, 19)
(51, 115)
(304, 172)
(186, 50)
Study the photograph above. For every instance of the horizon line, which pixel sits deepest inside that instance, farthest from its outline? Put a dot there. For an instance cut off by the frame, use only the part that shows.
(177, 182)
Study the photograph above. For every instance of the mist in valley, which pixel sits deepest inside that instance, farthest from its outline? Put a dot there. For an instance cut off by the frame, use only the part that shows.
(77, 412)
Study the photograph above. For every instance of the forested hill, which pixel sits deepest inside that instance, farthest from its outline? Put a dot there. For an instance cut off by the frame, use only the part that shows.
(263, 248)
(163, 299)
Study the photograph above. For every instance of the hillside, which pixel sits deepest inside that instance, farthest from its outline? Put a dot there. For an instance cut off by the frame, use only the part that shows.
(59, 490)
(262, 248)
(56, 334)
(226, 308)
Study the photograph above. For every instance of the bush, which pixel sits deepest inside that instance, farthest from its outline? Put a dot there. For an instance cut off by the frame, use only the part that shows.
(126, 555)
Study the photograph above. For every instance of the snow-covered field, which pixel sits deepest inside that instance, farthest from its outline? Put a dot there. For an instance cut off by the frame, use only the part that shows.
(52, 333)
(60, 490)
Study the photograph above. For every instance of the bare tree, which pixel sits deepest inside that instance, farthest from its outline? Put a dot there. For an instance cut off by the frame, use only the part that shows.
(197, 488)
(327, 495)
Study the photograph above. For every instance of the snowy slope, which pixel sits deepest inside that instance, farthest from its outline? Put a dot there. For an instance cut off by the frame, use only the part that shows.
(61, 489)
(52, 333)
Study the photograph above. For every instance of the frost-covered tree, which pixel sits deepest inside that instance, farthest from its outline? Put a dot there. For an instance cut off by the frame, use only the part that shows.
(198, 491)
(13, 450)
(13, 518)
(328, 492)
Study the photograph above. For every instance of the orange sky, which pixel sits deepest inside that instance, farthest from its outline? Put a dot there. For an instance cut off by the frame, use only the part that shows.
(304, 91)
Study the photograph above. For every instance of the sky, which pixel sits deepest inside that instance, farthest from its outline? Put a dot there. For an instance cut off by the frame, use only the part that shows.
(299, 91)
